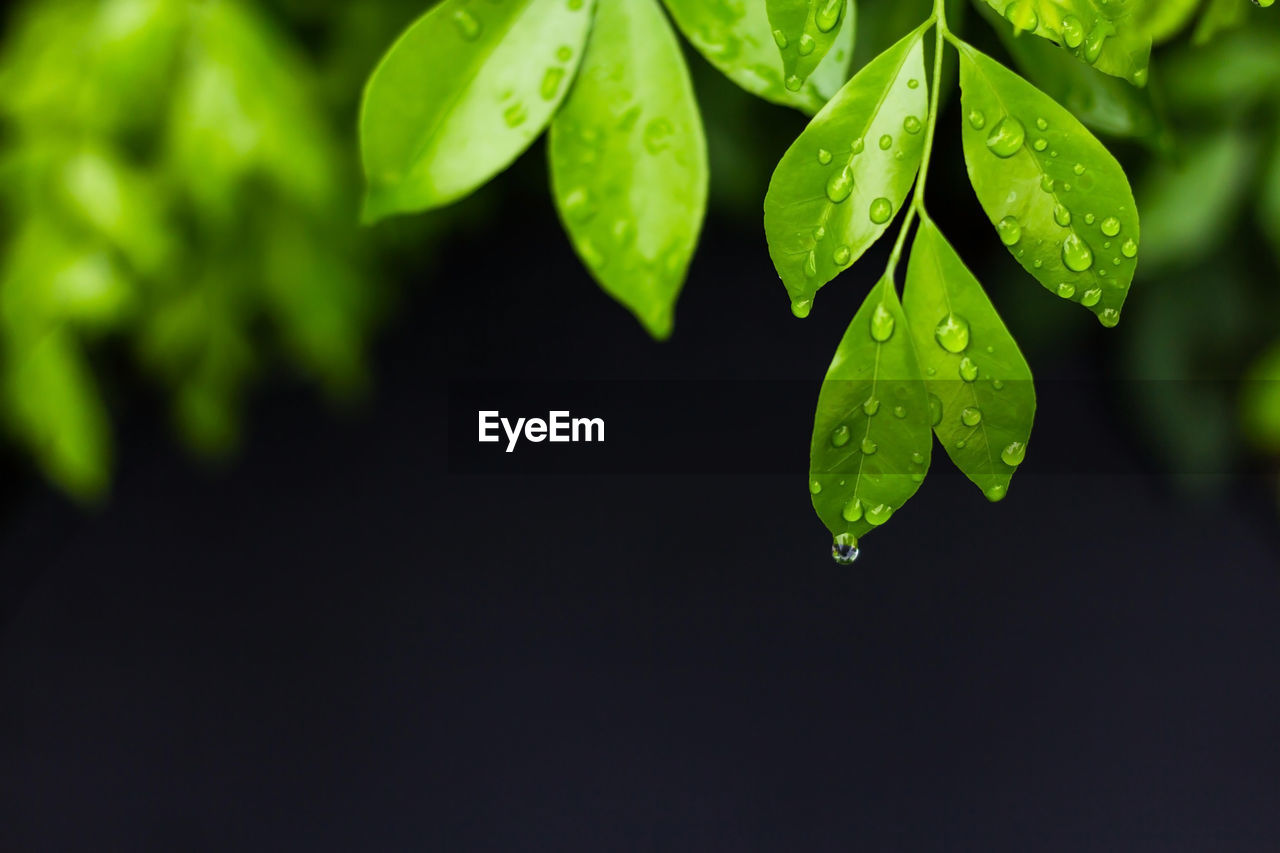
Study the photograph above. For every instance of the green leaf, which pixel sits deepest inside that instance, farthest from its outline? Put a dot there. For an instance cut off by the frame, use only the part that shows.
(629, 161)
(1219, 16)
(840, 184)
(1105, 103)
(463, 93)
(735, 37)
(971, 363)
(1103, 33)
(1164, 19)
(804, 31)
(871, 436)
(1060, 202)
(1269, 204)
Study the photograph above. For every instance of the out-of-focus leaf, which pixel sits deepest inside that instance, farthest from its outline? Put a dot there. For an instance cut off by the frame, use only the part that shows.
(1219, 16)
(842, 182)
(461, 94)
(53, 405)
(1105, 103)
(735, 37)
(1269, 204)
(1101, 33)
(872, 437)
(1260, 402)
(804, 31)
(1164, 19)
(629, 161)
(1230, 74)
(985, 400)
(1190, 207)
(1058, 199)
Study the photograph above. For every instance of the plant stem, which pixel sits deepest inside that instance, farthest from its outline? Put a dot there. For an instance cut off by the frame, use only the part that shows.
(917, 208)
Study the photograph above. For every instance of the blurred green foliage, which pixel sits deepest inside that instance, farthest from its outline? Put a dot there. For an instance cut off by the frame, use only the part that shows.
(174, 185)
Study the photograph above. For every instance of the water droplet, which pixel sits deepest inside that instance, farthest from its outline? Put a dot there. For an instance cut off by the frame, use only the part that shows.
(624, 231)
(917, 457)
(780, 39)
(828, 15)
(852, 511)
(899, 412)
(1076, 254)
(971, 417)
(1110, 318)
(577, 205)
(657, 135)
(1022, 16)
(881, 211)
(793, 83)
(1129, 249)
(1040, 144)
(1062, 216)
(1014, 454)
(997, 384)
(514, 115)
(564, 53)
(820, 233)
(590, 255)
(1078, 168)
(802, 307)
(968, 370)
(1094, 43)
(841, 255)
(952, 333)
(1110, 226)
(551, 83)
(840, 185)
(996, 493)
(1066, 290)
(1089, 219)
(811, 265)
(1091, 297)
(935, 410)
(845, 550)
(1007, 137)
(1046, 184)
(806, 45)
(1010, 231)
(879, 514)
(869, 447)
(913, 83)
(815, 488)
(911, 124)
(977, 120)
(840, 436)
(857, 146)
(882, 324)
(1072, 31)
(824, 156)
(871, 407)
(886, 142)
(1041, 124)
(468, 25)
(961, 444)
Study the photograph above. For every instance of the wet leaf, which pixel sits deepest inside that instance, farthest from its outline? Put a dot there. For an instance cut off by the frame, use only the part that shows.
(461, 94)
(871, 437)
(971, 363)
(804, 31)
(737, 39)
(629, 161)
(1058, 199)
(841, 183)
(1103, 33)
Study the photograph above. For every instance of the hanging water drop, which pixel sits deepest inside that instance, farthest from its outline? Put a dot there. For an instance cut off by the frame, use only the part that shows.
(1110, 318)
(996, 493)
(793, 83)
(845, 550)
(1091, 297)
(801, 307)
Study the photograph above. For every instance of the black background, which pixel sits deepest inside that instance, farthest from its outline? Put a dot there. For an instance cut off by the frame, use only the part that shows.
(345, 641)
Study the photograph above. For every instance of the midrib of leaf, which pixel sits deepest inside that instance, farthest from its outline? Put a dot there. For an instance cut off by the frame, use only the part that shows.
(1092, 273)
(973, 391)
(425, 138)
(829, 206)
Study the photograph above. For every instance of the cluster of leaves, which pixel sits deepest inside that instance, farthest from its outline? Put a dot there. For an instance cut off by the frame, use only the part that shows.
(171, 184)
(629, 174)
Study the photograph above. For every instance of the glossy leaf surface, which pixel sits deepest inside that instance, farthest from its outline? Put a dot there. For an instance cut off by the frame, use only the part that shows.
(984, 399)
(737, 39)
(871, 435)
(629, 162)
(804, 31)
(1103, 33)
(842, 182)
(461, 94)
(1058, 199)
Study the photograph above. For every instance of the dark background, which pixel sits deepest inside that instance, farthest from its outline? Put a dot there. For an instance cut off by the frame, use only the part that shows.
(346, 641)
